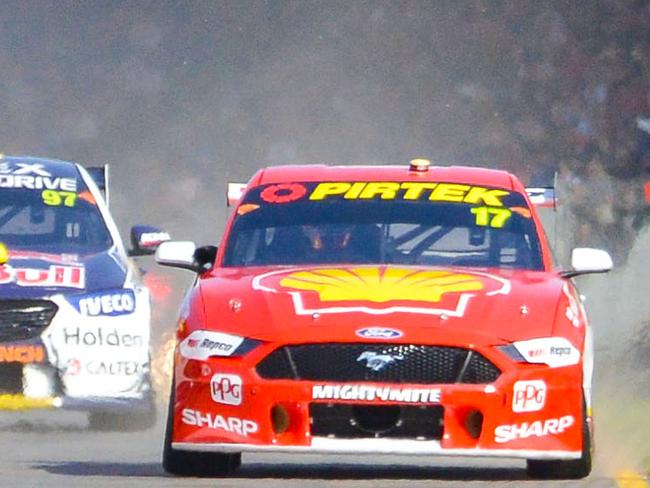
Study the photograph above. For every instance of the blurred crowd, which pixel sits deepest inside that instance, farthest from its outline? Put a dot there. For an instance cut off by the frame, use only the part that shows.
(193, 95)
(576, 104)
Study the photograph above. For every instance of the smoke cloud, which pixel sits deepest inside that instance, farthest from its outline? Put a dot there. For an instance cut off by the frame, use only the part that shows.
(182, 97)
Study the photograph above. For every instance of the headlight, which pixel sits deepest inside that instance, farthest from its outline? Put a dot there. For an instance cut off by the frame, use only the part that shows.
(552, 351)
(203, 344)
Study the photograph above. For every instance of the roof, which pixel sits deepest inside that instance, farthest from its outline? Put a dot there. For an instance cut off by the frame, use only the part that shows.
(448, 174)
(52, 166)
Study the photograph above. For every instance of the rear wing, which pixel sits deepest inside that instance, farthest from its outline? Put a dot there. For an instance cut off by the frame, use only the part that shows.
(235, 192)
(543, 197)
(99, 174)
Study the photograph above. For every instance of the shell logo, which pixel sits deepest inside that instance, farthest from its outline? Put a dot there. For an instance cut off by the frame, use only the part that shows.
(373, 285)
(381, 290)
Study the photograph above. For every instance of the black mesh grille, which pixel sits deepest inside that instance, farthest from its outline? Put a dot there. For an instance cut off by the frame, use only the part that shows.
(11, 378)
(24, 319)
(390, 363)
(363, 421)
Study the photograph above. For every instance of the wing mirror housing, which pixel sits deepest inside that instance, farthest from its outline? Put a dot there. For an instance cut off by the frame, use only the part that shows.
(145, 239)
(585, 260)
(185, 255)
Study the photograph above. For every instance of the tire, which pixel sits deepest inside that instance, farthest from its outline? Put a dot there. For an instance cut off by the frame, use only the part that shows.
(128, 421)
(190, 463)
(123, 422)
(570, 469)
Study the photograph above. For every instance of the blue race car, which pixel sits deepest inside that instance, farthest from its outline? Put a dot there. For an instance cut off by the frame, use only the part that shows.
(74, 314)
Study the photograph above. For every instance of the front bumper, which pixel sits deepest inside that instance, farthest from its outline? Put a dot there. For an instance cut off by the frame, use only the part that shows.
(20, 402)
(278, 415)
(324, 445)
(73, 358)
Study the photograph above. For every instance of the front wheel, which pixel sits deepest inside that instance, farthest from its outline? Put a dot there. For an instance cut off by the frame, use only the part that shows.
(560, 469)
(123, 422)
(190, 463)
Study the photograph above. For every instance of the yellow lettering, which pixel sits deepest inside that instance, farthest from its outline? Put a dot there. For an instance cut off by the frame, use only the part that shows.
(415, 189)
(481, 215)
(354, 191)
(387, 190)
(55, 198)
(499, 216)
(449, 192)
(490, 198)
(326, 189)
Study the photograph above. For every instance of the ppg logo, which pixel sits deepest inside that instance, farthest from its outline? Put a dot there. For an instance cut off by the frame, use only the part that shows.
(528, 396)
(116, 303)
(226, 389)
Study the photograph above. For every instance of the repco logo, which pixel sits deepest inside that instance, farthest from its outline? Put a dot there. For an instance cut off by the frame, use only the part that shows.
(226, 389)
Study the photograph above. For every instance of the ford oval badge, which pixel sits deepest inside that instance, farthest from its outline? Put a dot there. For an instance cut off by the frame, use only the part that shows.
(379, 333)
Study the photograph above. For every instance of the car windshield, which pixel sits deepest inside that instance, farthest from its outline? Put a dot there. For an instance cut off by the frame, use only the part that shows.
(52, 221)
(412, 223)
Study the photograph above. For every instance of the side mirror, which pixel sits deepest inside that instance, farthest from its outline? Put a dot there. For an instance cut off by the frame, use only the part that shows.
(586, 260)
(177, 254)
(204, 257)
(146, 239)
(185, 255)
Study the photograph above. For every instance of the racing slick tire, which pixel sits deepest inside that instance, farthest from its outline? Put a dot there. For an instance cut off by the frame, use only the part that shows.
(189, 463)
(130, 421)
(559, 469)
(122, 422)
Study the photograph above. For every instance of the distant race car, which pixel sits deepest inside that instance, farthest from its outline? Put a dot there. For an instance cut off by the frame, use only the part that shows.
(382, 309)
(74, 314)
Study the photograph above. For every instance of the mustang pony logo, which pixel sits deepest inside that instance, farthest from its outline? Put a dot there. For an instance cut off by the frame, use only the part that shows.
(380, 290)
(377, 362)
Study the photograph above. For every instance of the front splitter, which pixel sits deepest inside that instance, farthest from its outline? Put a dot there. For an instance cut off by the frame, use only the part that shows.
(324, 445)
(19, 402)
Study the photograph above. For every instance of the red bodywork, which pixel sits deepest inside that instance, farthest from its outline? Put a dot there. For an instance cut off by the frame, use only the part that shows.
(532, 410)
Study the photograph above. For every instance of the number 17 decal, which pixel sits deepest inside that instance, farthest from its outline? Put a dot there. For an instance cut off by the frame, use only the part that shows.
(491, 216)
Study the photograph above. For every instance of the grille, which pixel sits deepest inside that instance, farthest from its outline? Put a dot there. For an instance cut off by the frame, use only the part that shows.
(390, 363)
(11, 378)
(363, 421)
(24, 319)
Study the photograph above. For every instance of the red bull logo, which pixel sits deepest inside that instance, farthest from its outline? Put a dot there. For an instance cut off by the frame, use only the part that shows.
(54, 276)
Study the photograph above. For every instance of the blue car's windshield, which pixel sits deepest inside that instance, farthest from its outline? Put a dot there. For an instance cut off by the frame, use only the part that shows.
(52, 221)
(388, 223)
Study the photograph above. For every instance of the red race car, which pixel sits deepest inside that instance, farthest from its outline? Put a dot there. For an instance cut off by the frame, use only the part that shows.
(382, 309)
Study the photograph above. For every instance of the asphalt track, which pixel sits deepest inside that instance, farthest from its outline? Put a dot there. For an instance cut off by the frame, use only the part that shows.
(54, 449)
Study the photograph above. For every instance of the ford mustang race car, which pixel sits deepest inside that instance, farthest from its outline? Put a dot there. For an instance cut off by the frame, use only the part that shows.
(74, 315)
(408, 310)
